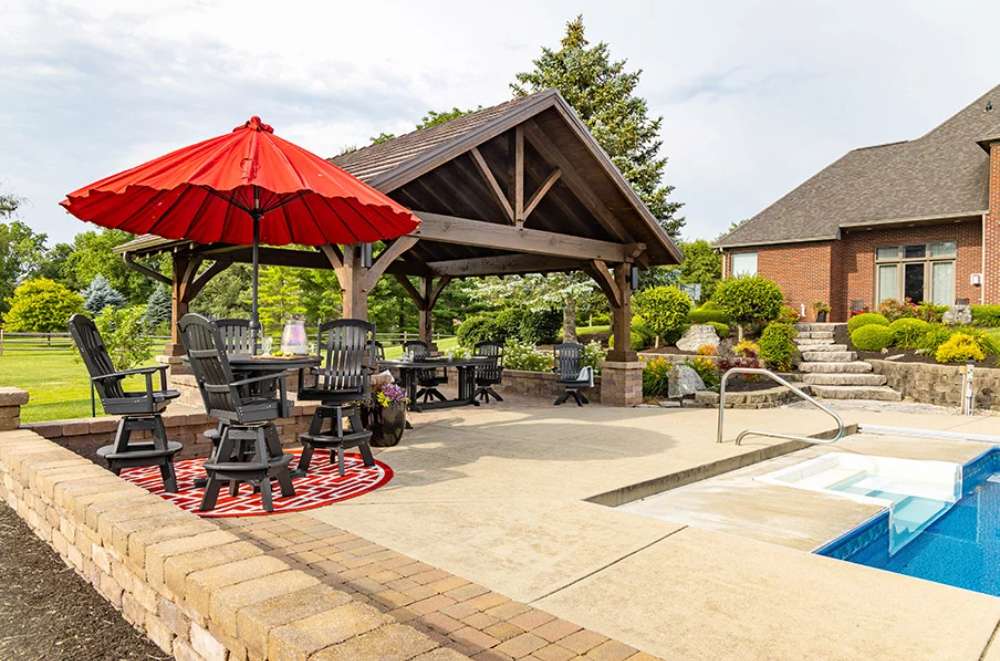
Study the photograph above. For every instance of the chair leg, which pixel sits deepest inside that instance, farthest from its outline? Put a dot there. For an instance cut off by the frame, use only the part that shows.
(576, 396)
(491, 391)
(562, 398)
(169, 476)
(265, 494)
(211, 495)
(305, 458)
(285, 483)
(366, 454)
(584, 398)
(340, 460)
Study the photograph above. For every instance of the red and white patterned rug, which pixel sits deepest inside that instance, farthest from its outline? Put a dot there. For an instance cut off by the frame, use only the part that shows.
(322, 486)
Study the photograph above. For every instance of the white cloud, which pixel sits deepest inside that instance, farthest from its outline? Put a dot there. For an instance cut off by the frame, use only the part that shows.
(755, 96)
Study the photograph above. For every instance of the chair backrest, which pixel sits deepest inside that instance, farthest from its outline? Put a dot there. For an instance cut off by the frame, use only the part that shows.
(376, 350)
(206, 352)
(492, 369)
(236, 335)
(568, 358)
(95, 356)
(419, 349)
(344, 347)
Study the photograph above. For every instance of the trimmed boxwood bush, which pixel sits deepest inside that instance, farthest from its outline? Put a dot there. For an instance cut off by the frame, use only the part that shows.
(777, 346)
(749, 299)
(540, 327)
(866, 319)
(475, 329)
(722, 330)
(664, 309)
(873, 337)
(986, 315)
(907, 332)
(708, 312)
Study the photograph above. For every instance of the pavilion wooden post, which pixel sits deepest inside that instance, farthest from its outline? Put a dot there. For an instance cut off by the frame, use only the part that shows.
(621, 373)
(356, 279)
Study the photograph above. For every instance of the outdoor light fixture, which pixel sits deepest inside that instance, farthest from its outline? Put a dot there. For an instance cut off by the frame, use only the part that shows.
(634, 275)
(366, 255)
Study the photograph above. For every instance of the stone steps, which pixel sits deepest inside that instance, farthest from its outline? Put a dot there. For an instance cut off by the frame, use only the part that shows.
(855, 367)
(829, 356)
(815, 335)
(879, 393)
(843, 379)
(822, 348)
(819, 328)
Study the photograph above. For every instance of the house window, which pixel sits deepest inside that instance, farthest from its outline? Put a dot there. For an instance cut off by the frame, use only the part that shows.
(744, 263)
(919, 272)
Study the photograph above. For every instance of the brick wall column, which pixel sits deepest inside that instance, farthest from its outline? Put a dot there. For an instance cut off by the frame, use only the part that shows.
(621, 383)
(991, 232)
(11, 401)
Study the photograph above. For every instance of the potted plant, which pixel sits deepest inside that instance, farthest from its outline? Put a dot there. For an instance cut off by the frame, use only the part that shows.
(822, 310)
(388, 414)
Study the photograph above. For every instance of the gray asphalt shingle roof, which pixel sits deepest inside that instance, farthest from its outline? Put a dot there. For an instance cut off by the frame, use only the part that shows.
(943, 173)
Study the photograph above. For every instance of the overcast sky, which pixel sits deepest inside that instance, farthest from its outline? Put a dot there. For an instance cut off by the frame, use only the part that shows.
(756, 96)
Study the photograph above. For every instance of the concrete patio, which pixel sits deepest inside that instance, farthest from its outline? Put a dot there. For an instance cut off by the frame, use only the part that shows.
(499, 496)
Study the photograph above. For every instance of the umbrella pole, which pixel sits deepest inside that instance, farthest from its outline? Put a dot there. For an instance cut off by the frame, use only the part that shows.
(254, 317)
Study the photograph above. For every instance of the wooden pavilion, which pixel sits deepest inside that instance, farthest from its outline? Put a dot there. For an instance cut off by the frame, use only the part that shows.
(520, 187)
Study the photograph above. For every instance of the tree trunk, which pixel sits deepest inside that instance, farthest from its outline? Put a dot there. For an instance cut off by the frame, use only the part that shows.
(569, 320)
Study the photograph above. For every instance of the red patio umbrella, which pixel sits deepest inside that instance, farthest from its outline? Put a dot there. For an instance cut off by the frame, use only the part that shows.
(246, 187)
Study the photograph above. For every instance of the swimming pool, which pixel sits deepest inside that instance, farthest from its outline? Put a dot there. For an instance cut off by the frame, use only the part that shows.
(961, 547)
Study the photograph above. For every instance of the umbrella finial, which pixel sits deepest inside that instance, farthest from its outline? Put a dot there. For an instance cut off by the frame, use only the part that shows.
(255, 124)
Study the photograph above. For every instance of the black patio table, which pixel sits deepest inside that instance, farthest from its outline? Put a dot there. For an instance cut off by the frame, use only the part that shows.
(466, 368)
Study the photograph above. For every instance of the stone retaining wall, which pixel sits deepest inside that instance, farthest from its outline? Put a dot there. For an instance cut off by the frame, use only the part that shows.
(199, 592)
(940, 384)
(751, 399)
(540, 384)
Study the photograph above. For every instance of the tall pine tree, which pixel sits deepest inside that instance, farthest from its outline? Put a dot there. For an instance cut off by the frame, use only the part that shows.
(603, 94)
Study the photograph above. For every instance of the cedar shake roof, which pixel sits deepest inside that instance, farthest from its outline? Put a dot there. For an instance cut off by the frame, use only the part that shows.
(942, 174)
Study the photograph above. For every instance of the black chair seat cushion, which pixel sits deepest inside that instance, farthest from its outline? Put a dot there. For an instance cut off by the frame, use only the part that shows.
(139, 451)
(255, 410)
(574, 383)
(137, 402)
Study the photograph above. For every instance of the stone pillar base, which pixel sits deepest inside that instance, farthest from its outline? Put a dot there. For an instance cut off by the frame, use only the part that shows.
(176, 364)
(11, 401)
(621, 383)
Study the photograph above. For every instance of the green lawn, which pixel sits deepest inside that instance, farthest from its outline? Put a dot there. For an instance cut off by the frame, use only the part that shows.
(59, 387)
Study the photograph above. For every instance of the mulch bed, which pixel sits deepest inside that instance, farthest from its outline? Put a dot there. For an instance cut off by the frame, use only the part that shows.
(900, 356)
(47, 611)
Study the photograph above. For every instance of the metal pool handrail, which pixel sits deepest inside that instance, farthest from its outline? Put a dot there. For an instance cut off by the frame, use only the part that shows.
(774, 377)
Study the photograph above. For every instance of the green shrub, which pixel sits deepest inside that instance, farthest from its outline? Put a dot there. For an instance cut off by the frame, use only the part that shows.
(959, 348)
(873, 337)
(788, 315)
(636, 339)
(593, 355)
(126, 335)
(935, 336)
(721, 329)
(475, 329)
(986, 315)
(541, 326)
(892, 309)
(777, 346)
(524, 356)
(907, 332)
(708, 370)
(932, 314)
(708, 312)
(655, 377)
(749, 299)
(41, 306)
(600, 319)
(508, 323)
(639, 326)
(664, 309)
(866, 319)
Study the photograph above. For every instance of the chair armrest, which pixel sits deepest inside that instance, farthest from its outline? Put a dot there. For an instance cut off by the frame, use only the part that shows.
(258, 379)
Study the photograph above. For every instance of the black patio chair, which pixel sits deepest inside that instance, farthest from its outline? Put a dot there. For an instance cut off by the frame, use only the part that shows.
(568, 359)
(377, 351)
(343, 387)
(490, 373)
(428, 379)
(236, 335)
(139, 411)
(249, 450)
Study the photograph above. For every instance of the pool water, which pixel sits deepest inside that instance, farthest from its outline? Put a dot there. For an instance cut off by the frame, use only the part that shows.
(960, 547)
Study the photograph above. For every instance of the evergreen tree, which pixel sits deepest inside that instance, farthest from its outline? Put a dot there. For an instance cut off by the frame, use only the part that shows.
(158, 308)
(603, 94)
(99, 294)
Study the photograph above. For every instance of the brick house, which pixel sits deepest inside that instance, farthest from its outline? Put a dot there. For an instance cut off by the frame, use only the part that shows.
(917, 219)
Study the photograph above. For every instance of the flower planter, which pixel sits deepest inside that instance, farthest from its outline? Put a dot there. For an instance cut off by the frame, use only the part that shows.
(388, 424)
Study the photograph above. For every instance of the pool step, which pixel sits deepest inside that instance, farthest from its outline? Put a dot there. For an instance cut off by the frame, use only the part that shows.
(829, 356)
(822, 367)
(879, 393)
(844, 379)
